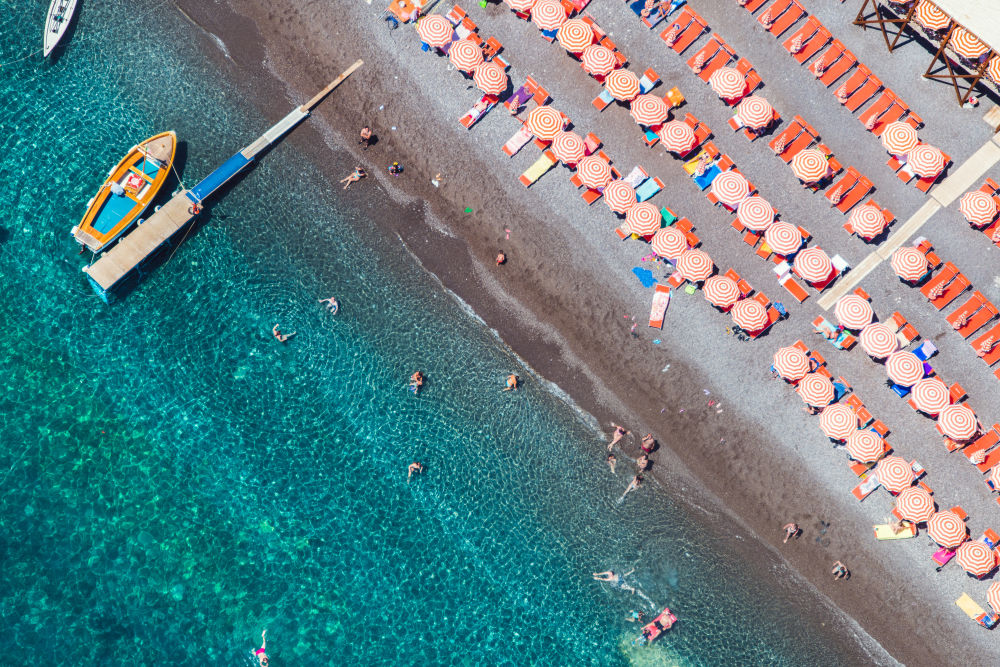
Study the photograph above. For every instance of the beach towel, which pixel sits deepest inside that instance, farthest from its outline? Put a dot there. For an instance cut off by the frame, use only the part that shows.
(706, 178)
(884, 532)
(645, 276)
(661, 299)
(636, 176)
(518, 141)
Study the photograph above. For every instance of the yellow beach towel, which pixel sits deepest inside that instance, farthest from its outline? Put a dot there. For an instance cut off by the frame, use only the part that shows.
(884, 532)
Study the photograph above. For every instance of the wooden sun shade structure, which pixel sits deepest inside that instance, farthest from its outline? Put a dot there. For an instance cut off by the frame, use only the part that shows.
(979, 18)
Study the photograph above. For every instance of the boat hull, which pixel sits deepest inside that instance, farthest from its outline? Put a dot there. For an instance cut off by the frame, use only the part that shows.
(57, 21)
(128, 191)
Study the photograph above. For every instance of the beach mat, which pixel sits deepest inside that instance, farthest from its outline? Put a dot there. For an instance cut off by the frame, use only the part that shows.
(884, 532)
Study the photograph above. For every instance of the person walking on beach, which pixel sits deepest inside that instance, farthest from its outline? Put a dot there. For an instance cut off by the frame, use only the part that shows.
(840, 570)
(366, 137)
(331, 304)
(415, 467)
(280, 337)
(791, 530)
(261, 653)
(620, 433)
(512, 383)
(354, 176)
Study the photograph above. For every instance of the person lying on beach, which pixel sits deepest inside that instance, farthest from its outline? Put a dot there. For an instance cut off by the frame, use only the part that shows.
(648, 441)
(417, 380)
(280, 337)
(642, 462)
(619, 434)
(791, 530)
(614, 579)
(354, 176)
(331, 304)
(415, 467)
(261, 652)
(839, 570)
(515, 106)
(512, 383)
(612, 461)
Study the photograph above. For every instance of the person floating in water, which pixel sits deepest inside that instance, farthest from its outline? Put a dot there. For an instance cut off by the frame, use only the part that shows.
(416, 381)
(331, 304)
(280, 337)
(261, 652)
(512, 383)
(614, 579)
(415, 467)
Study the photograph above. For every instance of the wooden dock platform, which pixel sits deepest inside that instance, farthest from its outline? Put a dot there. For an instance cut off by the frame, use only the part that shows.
(122, 259)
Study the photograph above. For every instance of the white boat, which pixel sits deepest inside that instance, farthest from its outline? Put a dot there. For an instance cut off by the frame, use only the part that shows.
(56, 22)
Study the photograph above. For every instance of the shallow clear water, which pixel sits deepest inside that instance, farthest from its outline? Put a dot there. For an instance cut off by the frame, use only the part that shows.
(175, 480)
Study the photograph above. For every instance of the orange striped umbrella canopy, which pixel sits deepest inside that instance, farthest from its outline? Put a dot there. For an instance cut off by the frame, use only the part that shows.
(978, 208)
(649, 109)
(569, 147)
(435, 30)
(878, 340)
(995, 476)
(728, 83)
(899, 138)
(598, 60)
(914, 504)
(993, 595)
(643, 219)
(622, 84)
(677, 136)
(721, 291)
(976, 558)
(465, 55)
(853, 312)
(865, 446)
(894, 473)
(867, 220)
(958, 422)
(966, 44)
(730, 187)
(755, 213)
(816, 390)
(695, 265)
(575, 35)
(548, 14)
(669, 243)
(783, 237)
(838, 421)
(520, 5)
(929, 16)
(947, 529)
(909, 263)
(544, 122)
(619, 196)
(810, 165)
(749, 314)
(930, 395)
(490, 78)
(904, 368)
(993, 69)
(813, 265)
(791, 363)
(755, 112)
(926, 160)
(594, 172)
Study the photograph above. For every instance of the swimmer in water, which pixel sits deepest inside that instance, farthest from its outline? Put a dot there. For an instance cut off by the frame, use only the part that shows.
(415, 467)
(331, 304)
(614, 579)
(280, 337)
(261, 653)
(416, 381)
(512, 383)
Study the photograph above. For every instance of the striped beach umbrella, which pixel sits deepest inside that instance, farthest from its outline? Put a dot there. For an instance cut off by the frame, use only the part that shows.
(730, 188)
(569, 147)
(958, 422)
(899, 138)
(520, 5)
(894, 473)
(619, 196)
(435, 30)
(976, 558)
(853, 312)
(622, 84)
(598, 60)
(721, 291)
(755, 213)
(930, 395)
(490, 78)
(695, 265)
(816, 390)
(865, 446)
(914, 504)
(926, 160)
(813, 265)
(947, 529)
(993, 595)
(548, 14)
(791, 363)
(649, 109)
(904, 368)
(929, 16)
(677, 136)
(728, 83)
(783, 238)
(810, 165)
(465, 55)
(643, 219)
(838, 421)
(575, 35)
(878, 340)
(967, 45)
(978, 208)
(544, 122)
(668, 242)
(909, 263)
(993, 69)
(755, 112)
(995, 477)
(867, 221)
(594, 172)
(749, 314)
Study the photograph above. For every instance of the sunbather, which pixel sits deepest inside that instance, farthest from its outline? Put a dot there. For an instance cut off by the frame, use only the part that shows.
(839, 570)
(648, 442)
(355, 175)
(620, 433)
(791, 530)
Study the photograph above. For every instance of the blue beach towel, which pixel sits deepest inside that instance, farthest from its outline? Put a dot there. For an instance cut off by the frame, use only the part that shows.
(645, 276)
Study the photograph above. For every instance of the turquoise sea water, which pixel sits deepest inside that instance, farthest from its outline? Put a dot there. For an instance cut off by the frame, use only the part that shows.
(174, 480)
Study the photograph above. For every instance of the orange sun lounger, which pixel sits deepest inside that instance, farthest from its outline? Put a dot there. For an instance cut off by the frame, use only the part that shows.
(812, 37)
(835, 62)
(687, 27)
